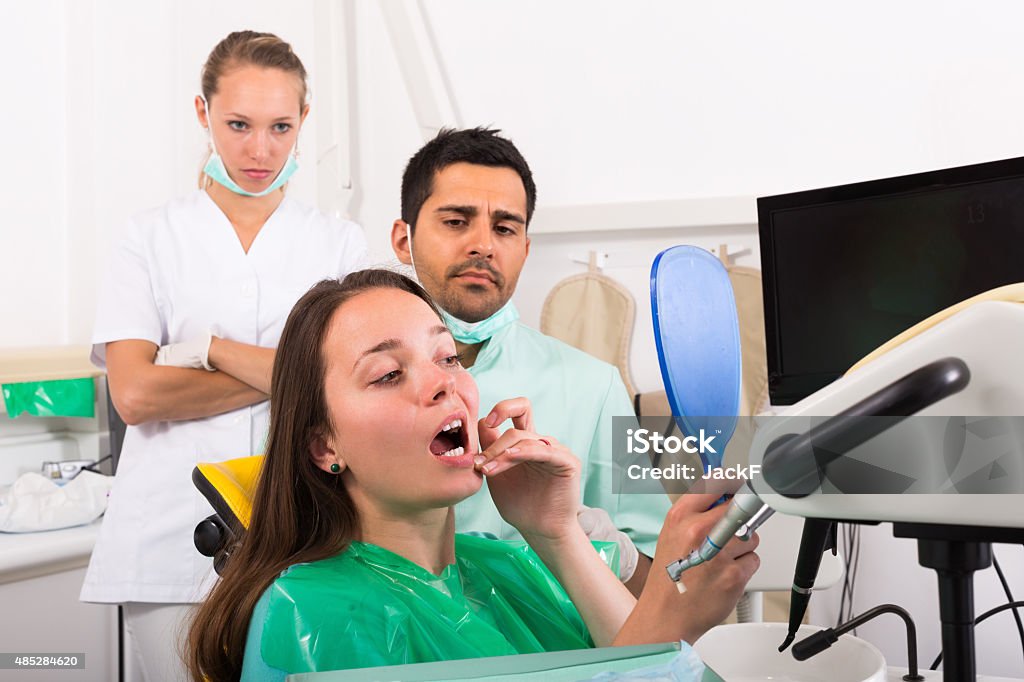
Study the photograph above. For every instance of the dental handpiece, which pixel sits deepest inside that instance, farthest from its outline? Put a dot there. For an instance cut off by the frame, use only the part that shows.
(743, 508)
(748, 529)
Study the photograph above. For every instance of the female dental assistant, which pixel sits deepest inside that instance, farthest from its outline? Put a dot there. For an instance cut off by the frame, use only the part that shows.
(194, 301)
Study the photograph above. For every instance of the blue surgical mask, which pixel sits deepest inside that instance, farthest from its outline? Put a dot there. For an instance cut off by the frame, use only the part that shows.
(217, 172)
(478, 332)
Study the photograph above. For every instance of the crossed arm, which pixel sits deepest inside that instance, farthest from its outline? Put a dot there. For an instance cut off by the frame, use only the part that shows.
(143, 391)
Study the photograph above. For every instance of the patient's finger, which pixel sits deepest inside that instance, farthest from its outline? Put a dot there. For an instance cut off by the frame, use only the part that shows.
(490, 448)
(518, 410)
(552, 455)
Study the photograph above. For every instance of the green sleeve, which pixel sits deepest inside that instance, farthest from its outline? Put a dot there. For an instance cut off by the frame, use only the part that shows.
(639, 515)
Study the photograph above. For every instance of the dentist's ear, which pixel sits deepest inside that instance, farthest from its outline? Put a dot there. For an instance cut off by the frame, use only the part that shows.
(401, 242)
(324, 457)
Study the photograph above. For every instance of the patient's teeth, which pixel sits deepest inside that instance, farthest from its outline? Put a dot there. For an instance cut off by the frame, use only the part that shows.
(454, 452)
(454, 425)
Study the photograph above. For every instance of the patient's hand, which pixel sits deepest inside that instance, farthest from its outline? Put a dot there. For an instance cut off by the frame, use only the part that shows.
(712, 588)
(534, 480)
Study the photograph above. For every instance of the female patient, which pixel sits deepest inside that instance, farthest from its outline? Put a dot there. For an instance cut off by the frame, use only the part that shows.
(351, 559)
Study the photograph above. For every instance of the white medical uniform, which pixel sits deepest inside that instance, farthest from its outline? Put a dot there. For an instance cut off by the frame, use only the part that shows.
(574, 397)
(178, 271)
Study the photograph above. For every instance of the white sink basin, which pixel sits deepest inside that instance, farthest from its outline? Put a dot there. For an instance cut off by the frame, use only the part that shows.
(748, 652)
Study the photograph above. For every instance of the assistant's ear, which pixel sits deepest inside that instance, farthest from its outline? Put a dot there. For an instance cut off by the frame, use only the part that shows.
(201, 112)
(400, 241)
(325, 457)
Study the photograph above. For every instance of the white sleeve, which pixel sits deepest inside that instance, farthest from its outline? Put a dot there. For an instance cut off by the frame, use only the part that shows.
(127, 307)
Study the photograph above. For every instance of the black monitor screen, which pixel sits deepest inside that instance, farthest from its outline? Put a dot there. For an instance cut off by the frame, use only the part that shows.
(847, 268)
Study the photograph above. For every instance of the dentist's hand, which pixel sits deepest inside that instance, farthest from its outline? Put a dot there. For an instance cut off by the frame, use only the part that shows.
(534, 480)
(599, 526)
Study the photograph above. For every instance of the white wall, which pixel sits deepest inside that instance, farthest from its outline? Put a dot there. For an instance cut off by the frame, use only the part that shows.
(33, 257)
(610, 102)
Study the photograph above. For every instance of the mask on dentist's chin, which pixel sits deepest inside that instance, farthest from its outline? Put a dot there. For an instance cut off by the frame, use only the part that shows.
(478, 332)
(216, 171)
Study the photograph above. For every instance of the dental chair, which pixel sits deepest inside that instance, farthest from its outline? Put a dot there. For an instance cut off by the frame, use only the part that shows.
(951, 478)
(228, 486)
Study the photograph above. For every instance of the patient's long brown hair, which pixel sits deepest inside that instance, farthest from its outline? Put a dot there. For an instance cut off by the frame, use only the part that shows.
(300, 513)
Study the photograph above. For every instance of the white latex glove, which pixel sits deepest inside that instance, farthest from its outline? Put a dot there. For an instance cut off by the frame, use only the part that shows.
(194, 353)
(598, 526)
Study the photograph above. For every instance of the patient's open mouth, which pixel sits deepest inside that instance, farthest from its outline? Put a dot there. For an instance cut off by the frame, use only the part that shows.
(450, 441)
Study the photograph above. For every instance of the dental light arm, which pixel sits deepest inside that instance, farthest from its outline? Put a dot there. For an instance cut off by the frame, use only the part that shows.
(794, 465)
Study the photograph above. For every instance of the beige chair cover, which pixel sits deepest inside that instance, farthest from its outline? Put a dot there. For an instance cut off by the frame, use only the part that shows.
(594, 313)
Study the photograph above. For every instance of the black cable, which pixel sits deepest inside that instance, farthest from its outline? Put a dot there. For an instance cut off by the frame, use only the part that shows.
(851, 558)
(841, 616)
(855, 531)
(95, 466)
(1009, 597)
(980, 619)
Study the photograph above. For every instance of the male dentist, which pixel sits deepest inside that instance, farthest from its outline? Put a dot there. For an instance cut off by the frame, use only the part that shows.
(467, 200)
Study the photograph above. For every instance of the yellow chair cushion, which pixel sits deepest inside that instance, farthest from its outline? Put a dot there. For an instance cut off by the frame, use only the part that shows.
(229, 487)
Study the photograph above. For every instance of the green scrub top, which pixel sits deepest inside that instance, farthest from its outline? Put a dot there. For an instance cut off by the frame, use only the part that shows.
(574, 397)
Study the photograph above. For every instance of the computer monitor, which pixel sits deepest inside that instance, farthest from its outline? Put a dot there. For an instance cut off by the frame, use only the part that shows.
(847, 268)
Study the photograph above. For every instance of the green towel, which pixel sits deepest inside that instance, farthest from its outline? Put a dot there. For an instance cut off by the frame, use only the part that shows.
(59, 398)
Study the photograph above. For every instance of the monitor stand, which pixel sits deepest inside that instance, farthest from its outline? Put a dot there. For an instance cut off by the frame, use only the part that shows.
(955, 553)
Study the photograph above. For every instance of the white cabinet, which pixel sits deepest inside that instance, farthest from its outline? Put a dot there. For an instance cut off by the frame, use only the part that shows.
(41, 573)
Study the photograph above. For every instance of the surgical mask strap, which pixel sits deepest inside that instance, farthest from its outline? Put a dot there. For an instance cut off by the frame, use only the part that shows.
(408, 237)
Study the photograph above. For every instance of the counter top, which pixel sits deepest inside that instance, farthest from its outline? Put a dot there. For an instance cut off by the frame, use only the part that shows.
(46, 364)
(30, 555)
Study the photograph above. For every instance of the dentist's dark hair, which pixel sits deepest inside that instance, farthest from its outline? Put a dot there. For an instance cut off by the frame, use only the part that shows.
(480, 146)
(300, 513)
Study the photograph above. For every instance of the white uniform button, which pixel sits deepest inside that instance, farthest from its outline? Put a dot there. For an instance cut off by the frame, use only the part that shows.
(248, 289)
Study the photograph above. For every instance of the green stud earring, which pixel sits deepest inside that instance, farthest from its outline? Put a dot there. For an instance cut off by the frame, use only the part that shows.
(335, 468)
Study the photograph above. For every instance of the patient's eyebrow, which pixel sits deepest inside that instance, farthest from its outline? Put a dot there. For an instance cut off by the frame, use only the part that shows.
(386, 344)
(392, 344)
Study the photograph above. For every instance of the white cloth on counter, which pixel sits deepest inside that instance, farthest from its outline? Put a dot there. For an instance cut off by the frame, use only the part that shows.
(35, 503)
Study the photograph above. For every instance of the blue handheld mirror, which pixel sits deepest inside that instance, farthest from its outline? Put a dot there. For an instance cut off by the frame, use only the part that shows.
(696, 331)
